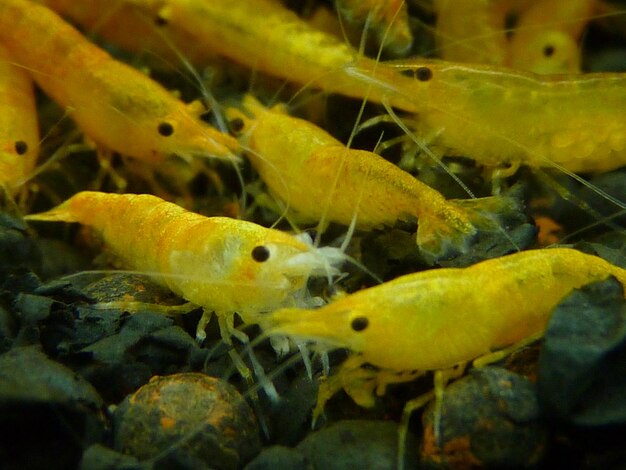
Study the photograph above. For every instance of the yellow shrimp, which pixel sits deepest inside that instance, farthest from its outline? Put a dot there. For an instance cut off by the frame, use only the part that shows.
(438, 319)
(388, 18)
(265, 36)
(505, 118)
(115, 105)
(546, 37)
(125, 25)
(225, 265)
(320, 180)
(472, 30)
(546, 52)
(19, 130)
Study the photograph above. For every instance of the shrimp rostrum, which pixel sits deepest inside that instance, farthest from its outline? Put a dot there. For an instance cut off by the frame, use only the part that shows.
(320, 180)
(225, 265)
(438, 319)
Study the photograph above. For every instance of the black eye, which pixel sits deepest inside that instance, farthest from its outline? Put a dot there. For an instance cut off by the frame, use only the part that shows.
(260, 253)
(360, 323)
(423, 74)
(166, 129)
(548, 51)
(237, 125)
(21, 147)
(160, 21)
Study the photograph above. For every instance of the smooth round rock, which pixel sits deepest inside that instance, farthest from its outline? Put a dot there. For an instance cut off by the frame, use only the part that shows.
(352, 444)
(489, 419)
(187, 419)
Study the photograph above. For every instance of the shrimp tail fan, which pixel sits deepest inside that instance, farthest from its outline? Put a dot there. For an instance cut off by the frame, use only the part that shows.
(495, 226)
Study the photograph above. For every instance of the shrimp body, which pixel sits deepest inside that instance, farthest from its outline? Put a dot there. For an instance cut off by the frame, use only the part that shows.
(546, 52)
(318, 179)
(471, 31)
(546, 37)
(263, 35)
(500, 117)
(225, 265)
(388, 18)
(124, 24)
(115, 105)
(19, 131)
(437, 319)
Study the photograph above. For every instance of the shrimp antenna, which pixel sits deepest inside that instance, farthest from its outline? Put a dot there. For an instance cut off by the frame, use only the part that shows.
(601, 221)
(589, 185)
(568, 196)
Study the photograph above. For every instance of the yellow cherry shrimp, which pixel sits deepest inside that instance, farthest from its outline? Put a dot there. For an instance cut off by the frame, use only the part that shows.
(438, 320)
(115, 105)
(318, 179)
(224, 265)
(19, 129)
(547, 35)
(502, 117)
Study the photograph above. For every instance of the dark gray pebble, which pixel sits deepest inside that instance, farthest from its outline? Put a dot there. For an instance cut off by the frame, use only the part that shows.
(351, 444)
(582, 366)
(489, 419)
(48, 413)
(279, 457)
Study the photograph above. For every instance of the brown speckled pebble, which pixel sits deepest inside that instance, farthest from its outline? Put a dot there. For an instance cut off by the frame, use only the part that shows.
(190, 419)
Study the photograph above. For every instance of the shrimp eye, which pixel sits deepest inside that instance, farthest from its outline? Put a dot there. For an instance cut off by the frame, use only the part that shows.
(237, 125)
(423, 74)
(165, 129)
(260, 253)
(160, 21)
(548, 51)
(359, 323)
(21, 147)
